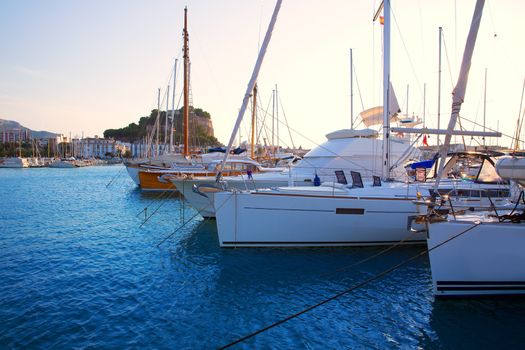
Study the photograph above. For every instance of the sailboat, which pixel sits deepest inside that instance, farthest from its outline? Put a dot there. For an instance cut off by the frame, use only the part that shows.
(479, 254)
(14, 162)
(343, 151)
(342, 213)
(146, 175)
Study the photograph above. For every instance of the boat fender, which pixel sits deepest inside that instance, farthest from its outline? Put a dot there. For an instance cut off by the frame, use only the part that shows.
(317, 180)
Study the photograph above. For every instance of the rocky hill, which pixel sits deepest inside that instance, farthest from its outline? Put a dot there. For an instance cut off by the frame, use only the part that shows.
(200, 128)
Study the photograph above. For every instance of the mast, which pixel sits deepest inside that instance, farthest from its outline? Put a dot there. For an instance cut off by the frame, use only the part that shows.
(273, 121)
(386, 90)
(186, 84)
(277, 117)
(424, 103)
(408, 88)
(484, 107)
(351, 91)
(157, 126)
(459, 91)
(251, 83)
(173, 105)
(439, 82)
(254, 112)
(166, 120)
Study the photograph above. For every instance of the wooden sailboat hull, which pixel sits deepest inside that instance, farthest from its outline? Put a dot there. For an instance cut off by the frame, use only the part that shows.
(150, 181)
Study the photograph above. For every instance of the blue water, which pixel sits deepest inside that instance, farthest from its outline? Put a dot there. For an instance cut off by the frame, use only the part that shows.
(78, 271)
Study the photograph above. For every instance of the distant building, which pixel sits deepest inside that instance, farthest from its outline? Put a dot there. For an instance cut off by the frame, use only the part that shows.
(94, 147)
(14, 135)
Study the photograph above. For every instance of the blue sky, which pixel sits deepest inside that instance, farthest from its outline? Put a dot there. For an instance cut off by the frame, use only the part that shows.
(86, 66)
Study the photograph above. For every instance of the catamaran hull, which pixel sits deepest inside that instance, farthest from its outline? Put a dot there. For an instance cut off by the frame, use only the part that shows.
(261, 219)
(487, 259)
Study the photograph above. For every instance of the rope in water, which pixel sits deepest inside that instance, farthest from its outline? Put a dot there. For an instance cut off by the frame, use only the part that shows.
(357, 286)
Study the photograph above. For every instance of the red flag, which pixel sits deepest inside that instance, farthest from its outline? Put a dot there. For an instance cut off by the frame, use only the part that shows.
(382, 20)
(425, 141)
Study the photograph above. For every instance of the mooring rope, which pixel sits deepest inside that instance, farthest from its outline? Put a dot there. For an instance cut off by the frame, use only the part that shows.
(114, 177)
(357, 286)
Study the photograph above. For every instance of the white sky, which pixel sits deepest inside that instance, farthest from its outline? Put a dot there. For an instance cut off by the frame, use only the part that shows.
(86, 66)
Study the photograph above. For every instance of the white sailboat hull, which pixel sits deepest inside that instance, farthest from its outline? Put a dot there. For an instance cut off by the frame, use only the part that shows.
(266, 219)
(486, 260)
(16, 162)
(133, 172)
(203, 202)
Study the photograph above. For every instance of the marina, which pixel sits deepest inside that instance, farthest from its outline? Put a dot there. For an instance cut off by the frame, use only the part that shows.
(395, 227)
(78, 271)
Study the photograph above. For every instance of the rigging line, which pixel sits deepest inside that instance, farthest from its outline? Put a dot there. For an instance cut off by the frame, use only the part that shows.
(488, 128)
(351, 289)
(285, 119)
(492, 20)
(519, 124)
(263, 124)
(406, 52)
(406, 154)
(264, 113)
(448, 61)
(359, 90)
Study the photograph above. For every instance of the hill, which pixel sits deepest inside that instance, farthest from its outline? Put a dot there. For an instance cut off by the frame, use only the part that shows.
(200, 128)
(14, 125)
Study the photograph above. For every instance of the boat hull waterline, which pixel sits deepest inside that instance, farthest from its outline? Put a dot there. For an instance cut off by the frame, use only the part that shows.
(317, 221)
(480, 258)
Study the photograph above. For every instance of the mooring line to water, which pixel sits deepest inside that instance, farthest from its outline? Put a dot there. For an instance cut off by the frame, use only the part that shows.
(114, 177)
(177, 229)
(199, 212)
(157, 209)
(357, 286)
(154, 200)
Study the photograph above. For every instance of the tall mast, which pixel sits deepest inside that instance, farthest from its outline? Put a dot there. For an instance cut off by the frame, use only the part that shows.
(277, 116)
(439, 82)
(186, 84)
(386, 90)
(157, 125)
(273, 120)
(251, 82)
(459, 91)
(424, 103)
(173, 105)
(484, 106)
(408, 90)
(254, 111)
(351, 91)
(166, 120)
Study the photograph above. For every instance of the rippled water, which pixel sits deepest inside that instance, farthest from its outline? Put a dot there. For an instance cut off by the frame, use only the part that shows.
(78, 271)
